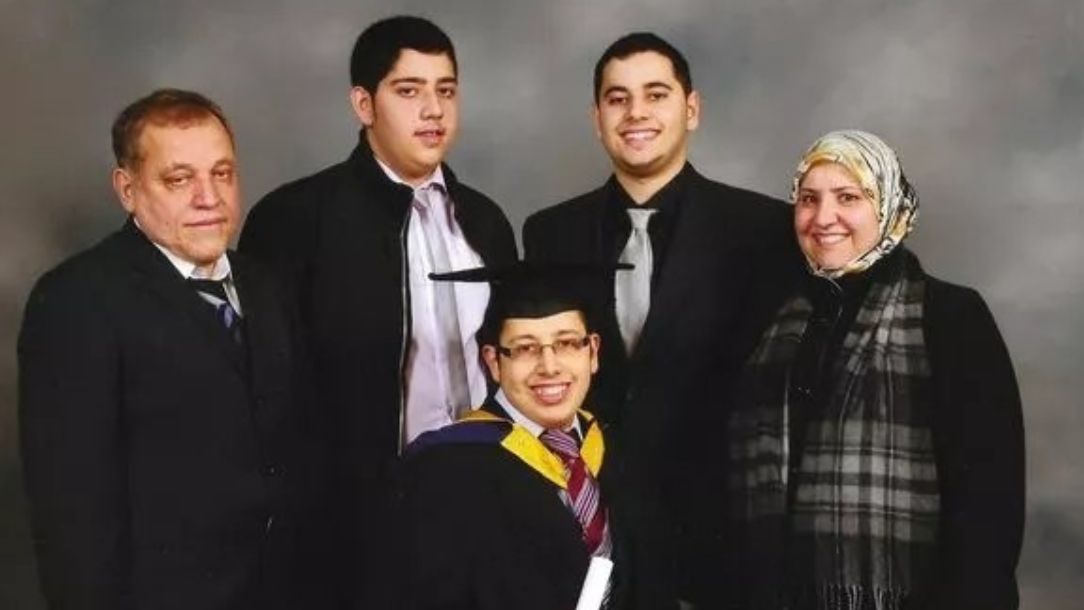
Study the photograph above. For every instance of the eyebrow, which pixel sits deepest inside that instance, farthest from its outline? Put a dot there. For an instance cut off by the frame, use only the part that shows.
(655, 83)
(417, 80)
(564, 332)
(614, 89)
(172, 167)
(833, 190)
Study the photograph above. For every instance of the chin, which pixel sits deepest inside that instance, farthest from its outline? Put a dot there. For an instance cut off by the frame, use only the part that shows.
(205, 255)
(555, 417)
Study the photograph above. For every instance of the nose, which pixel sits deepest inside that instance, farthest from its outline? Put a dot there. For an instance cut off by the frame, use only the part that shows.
(826, 214)
(637, 107)
(547, 361)
(206, 193)
(432, 105)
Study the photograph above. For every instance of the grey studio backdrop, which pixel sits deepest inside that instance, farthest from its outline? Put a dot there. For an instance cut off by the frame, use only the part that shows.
(983, 100)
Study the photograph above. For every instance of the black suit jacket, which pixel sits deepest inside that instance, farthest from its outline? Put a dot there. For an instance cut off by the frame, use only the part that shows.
(479, 529)
(663, 402)
(160, 456)
(338, 238)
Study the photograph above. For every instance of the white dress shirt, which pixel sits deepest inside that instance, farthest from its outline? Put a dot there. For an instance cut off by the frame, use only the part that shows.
(427, 394)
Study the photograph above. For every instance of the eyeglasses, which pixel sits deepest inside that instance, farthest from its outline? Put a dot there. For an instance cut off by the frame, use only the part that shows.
(533, 351)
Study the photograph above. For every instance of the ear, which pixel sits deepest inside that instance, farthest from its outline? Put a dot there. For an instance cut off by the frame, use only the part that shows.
(596, 118)
(123, 185)
(492, 360)
(594, 343)
(692, 111)
(362, 103)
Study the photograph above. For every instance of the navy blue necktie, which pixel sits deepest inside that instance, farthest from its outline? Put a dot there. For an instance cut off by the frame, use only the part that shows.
(214, 293)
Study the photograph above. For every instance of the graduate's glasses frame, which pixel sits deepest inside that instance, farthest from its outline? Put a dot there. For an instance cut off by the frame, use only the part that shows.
(528, 352)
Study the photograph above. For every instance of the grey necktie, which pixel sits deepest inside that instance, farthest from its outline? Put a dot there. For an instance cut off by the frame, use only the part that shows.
(435, 225)
(632, 288)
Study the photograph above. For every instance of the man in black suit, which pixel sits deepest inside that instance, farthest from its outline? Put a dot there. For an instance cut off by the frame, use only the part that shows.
(159, 391)
(504, 509)
(394, 352)
(697, 246)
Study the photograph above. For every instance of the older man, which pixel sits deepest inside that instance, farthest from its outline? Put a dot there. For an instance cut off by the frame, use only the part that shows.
(159, 390)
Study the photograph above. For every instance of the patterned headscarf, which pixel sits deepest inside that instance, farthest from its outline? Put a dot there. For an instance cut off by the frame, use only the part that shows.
(877, 169)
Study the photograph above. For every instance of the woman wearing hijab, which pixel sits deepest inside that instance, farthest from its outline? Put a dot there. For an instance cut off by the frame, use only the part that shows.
(876, 441)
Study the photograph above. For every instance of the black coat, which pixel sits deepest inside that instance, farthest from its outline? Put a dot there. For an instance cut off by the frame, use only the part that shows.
(480, 529)
(657, 401)
(978, 434)
(160, 456)
(339, 239)
(977, 425)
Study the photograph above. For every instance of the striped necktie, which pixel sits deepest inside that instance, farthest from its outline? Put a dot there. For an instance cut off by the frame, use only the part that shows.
(214, 293)
(583, 492)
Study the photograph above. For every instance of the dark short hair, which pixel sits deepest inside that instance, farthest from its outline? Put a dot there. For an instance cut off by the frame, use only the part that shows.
(377, 48)
(161, 107)
(641, 42)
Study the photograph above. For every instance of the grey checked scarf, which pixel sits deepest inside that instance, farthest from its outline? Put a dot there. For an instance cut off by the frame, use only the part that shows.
(856, 525)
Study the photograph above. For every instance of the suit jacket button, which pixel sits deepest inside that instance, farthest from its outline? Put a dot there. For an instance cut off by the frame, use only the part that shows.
(271, 470)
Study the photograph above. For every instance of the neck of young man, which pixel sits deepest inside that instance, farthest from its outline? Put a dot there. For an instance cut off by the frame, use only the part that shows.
(642, 187)
(413, 179)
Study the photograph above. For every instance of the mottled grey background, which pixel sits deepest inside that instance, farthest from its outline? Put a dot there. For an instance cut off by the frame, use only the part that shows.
(983, 100)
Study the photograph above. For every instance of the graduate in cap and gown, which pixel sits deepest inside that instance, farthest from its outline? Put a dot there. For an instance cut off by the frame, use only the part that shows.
(507, 507)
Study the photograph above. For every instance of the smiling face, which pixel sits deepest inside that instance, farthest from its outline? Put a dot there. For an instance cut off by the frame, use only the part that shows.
(183, 190)
(834, 218)
(550, 389)
(412, 119)
(643, 116)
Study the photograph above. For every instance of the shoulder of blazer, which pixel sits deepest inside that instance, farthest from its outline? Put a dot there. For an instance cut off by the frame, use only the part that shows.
(579, 206)
(473, 200)
(483, 222)
(581, 212)
(99, 277)
(738, 200)
(301, 195)
(966, 351)
(947, 305)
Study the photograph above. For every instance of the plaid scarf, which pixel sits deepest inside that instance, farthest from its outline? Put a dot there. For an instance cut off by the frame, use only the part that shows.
(854, 526)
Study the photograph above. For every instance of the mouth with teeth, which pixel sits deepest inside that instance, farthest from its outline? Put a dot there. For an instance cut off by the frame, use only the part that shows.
(638, 138)
(829, 239)
(550, 394)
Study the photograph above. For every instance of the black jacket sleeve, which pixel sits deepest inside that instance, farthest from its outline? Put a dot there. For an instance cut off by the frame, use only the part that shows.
(72, 439)
(435, 551)
(979, 441)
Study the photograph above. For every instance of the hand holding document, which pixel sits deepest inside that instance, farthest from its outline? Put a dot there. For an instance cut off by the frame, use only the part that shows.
(595, 584)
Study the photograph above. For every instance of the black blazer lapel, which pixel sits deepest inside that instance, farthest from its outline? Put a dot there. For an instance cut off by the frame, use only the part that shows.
(155, 274)
(697, 236)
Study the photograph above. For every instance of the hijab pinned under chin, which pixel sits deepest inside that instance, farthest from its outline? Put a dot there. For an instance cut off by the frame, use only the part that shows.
(877, 169)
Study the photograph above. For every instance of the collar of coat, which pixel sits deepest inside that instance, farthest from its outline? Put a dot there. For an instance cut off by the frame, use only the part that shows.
(531, 451)
(395, 196)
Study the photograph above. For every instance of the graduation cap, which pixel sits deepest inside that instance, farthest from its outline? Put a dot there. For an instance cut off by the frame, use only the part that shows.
(537, 290)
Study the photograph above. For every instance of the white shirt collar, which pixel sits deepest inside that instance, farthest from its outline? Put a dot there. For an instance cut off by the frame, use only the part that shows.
(521, 419)
(186, 268)
(437, 177)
